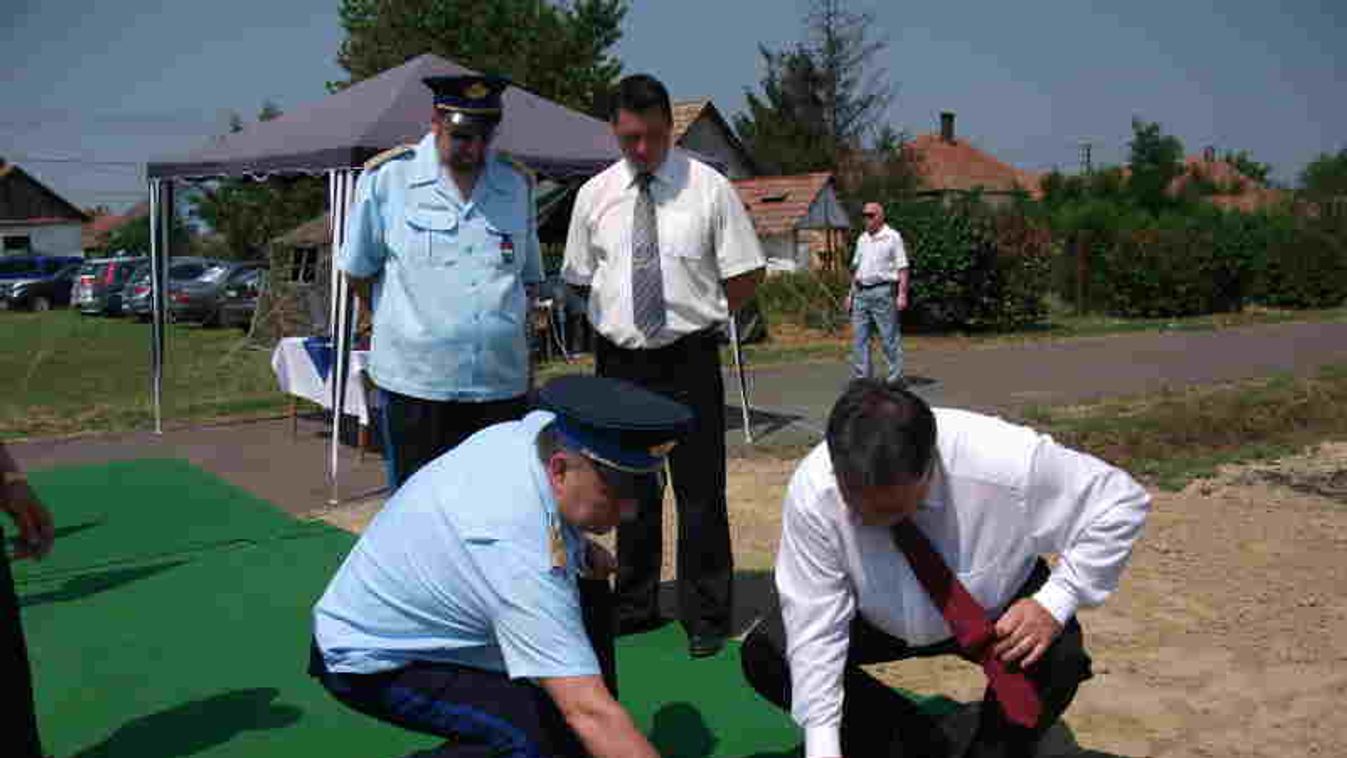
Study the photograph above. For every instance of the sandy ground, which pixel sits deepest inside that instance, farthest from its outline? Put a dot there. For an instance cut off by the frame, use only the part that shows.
(1228, 636)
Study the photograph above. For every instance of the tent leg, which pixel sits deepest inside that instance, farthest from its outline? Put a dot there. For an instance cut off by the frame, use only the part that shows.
(161, 236)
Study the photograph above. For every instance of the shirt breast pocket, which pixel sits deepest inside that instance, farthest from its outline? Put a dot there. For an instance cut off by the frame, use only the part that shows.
(432, 236)
(685, 236)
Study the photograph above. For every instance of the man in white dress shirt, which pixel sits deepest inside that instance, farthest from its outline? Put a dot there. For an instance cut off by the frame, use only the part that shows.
(990, 498)
(666, 251)
(878, 293)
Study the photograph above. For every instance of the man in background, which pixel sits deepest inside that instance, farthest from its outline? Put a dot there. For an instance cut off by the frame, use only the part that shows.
(878, 293)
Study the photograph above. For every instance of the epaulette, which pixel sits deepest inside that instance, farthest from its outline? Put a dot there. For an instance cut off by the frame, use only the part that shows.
(518, 165)
(388, 155)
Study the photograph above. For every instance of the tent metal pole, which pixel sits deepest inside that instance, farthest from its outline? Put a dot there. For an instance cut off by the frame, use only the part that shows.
(341, 192)
(737, 351)
(161, 225)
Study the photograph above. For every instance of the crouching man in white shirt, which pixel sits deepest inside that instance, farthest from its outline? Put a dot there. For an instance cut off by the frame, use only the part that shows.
(913, 533)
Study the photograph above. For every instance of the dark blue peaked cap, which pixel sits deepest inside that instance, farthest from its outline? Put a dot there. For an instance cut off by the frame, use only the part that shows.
(473, 95)
(614, 422)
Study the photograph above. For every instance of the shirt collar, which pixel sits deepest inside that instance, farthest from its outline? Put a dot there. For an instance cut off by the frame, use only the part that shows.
(671, 171)
(426, 167)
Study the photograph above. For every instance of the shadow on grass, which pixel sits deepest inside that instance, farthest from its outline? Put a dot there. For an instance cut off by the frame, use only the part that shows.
(680, 731)
(87, 585)
(197, 725)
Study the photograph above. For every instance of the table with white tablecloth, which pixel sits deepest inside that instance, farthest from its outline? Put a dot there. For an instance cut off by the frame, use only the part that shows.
(303, 368)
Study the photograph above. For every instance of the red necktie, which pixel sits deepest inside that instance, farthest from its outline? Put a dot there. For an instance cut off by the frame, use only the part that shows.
(969, 623)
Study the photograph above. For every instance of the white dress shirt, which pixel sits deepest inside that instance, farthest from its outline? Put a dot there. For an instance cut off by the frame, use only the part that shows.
(705, 237)
(1001, 496)
(879, 256)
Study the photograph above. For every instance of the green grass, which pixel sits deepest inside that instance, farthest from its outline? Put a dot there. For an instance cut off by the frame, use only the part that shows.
(62, 373)
(1173, 436)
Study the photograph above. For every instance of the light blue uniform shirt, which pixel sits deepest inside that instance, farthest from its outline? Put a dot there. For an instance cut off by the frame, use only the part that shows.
(457, 568)
(449, 322)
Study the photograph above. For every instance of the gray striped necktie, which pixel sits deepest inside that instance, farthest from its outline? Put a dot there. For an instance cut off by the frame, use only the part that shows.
(647, 283)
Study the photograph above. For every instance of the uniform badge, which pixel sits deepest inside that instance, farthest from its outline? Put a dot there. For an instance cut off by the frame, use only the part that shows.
(506, 250)
(556, 546)
(477, 91)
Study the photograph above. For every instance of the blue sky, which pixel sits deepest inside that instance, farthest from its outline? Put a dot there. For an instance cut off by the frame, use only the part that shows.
(108, 86)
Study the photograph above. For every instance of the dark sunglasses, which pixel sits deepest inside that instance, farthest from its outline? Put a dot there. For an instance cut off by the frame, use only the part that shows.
(869, 214)
(622, 485)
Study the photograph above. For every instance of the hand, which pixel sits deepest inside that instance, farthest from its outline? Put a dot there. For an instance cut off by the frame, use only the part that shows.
(599, 560)
(1024, 633)
(846, 304)
(34, 521)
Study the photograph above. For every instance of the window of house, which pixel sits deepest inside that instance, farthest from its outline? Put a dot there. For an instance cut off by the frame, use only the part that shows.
(18, 243)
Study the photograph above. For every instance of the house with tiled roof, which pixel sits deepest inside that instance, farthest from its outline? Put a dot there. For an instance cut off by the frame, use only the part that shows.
(949, 165)
(34, 218)
(797, 218)
(698, 126)
(95, 233)
(1232, 189)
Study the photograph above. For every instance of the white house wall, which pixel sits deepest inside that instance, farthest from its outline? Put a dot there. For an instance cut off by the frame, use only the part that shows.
(47, 239)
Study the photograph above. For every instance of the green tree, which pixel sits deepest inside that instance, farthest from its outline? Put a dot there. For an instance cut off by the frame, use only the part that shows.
(1156, 160)
(248, 214)
(560, 50)
(1244, 162)
(1326, 175)
(784, 126)
(134, 237)
(820, 99)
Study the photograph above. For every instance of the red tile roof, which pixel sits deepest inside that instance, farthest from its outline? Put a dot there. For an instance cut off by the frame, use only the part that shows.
(778, 203)
(958, 166)
(1235, 191)
(95, 232)
(684, 114)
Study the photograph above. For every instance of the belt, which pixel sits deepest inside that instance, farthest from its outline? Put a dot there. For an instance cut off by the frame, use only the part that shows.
(860, 286)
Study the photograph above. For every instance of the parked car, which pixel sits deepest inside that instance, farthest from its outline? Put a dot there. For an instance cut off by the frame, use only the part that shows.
(40, 293)
(180, 271)
(239, 299)
(199, 299)
(98, 290)
(16, 267)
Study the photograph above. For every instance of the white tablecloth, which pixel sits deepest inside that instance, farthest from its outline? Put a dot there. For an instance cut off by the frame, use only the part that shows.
(297, 375)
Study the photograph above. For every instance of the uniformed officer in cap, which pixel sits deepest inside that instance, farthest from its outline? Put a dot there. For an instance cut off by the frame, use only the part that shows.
(446, 228)
(474, 608)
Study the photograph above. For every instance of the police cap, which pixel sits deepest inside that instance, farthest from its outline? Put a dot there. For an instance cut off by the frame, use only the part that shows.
(614, 422)
(472, 101)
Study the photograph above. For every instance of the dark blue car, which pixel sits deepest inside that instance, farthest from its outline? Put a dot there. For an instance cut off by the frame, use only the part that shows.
(36, 281)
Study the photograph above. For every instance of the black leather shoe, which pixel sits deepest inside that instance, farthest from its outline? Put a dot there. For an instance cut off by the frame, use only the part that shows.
(705, 645)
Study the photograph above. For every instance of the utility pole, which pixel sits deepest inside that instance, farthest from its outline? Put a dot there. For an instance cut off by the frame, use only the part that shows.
(1086, 164)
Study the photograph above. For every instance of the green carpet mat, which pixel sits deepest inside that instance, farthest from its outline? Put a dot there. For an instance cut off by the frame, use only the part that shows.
(172, 619)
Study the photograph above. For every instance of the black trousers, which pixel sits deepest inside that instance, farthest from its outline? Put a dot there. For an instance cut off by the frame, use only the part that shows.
(18, 719)
(480, 713)
(687, 371)
(874, 715)
(418, 431)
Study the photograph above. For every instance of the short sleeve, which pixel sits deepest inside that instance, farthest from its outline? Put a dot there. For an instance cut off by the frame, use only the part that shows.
(737, 248)
(362, 253)
(899, 251)
(536, 616)
(580, 258)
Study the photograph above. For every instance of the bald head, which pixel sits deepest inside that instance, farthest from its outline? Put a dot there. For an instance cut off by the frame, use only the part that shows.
(873, 213)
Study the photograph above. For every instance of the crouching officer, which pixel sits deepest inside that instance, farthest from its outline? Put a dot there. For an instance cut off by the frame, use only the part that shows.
(473, 608)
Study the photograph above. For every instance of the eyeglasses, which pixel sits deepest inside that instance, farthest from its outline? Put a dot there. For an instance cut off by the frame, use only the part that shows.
(622, 485)
(869, 214)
